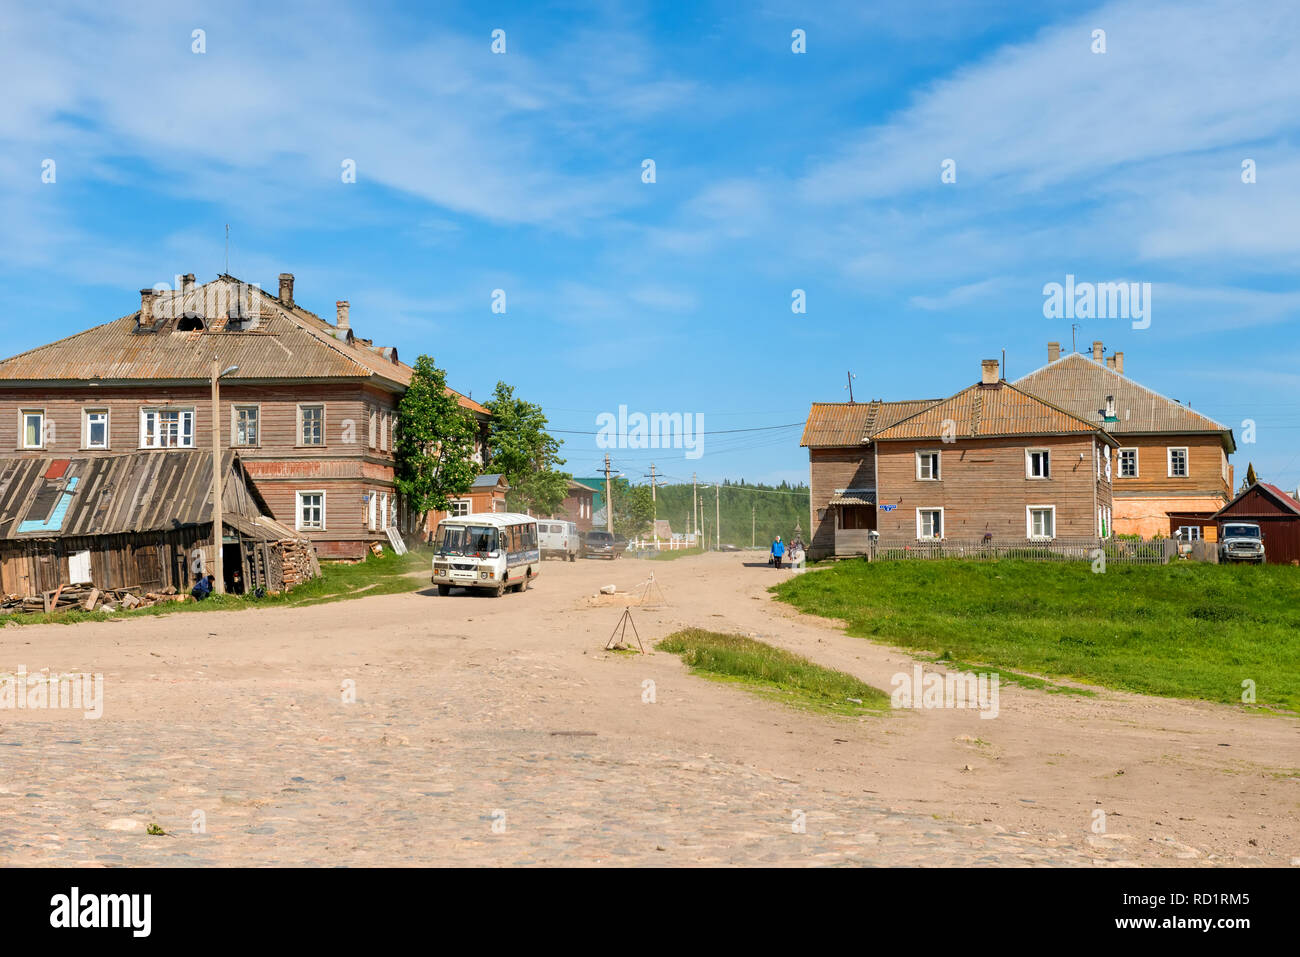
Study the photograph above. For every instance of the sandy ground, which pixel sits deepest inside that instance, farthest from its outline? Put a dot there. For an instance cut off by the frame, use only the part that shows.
(498, 732)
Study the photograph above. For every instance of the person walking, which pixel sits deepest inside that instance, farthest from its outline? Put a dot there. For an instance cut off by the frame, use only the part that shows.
(778, 551)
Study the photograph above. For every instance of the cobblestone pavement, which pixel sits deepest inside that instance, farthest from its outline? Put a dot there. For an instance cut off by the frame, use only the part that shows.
(483, 733)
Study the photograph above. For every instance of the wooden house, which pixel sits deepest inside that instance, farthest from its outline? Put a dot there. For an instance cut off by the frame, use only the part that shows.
(138, 520)
(311, 408)
(1171, 461)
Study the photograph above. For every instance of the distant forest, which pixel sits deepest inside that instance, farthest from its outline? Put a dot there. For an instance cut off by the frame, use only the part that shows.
(770, 510)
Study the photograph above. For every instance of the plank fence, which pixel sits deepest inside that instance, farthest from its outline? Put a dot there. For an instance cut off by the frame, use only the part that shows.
(1117, 551)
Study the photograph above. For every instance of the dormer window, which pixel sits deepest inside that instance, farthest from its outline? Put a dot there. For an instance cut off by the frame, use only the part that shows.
(190, 323)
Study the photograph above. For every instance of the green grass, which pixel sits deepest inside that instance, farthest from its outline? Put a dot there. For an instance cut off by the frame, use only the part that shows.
(667, 555)
(1179, 630)
(773, 672)
(386, 575)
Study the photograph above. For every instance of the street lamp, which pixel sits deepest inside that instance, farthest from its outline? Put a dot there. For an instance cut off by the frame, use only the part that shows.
(219, 574)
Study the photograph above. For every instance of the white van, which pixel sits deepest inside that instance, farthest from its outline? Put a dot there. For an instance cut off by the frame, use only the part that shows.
(559, 538)
(490, 551)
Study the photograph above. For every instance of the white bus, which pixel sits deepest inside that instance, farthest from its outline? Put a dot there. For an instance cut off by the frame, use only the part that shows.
(491, 551)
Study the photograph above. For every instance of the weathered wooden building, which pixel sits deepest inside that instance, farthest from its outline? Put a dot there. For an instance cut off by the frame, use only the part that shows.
(1171, 459)
(311, 409)
(138, 520)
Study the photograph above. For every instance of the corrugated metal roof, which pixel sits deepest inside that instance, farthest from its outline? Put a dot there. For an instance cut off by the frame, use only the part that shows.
(853, 496)
(842, 424)
(986, 411)
(1078, 384)
(114, 494)
(275, 341)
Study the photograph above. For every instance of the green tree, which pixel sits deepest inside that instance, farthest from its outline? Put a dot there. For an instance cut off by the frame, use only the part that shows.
(520, 448)
(435, 442)
(633, 508)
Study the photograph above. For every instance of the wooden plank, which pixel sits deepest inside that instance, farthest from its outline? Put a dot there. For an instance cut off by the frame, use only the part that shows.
(90, 601)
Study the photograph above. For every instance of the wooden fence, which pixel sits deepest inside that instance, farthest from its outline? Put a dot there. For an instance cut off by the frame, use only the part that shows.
(1121, 552)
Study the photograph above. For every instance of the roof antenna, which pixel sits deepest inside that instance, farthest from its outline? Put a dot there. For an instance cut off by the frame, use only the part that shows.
(1074, 327)
(850, 386)
(227, 249)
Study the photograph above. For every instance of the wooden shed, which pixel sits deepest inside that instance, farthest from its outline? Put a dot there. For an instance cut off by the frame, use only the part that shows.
(1276, 513)
(139, 520)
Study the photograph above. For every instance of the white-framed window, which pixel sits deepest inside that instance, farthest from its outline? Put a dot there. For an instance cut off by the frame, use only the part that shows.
(246, 425)
(1105, 451)
(1038, 463)
(929, 523)
(1189, 533)
(1128, 463)
(166, 428)
(383, 432)
(374, 417)
(459, 506)
(383, 511)
(95, 429)
(311, 425)
(927, 466)
(31, 428)
(1177, 462)
(1040, 521)
(311, 511)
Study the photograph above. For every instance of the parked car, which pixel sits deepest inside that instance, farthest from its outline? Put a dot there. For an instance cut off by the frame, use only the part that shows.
(1241, 542)
(599, 544)
(559, 538)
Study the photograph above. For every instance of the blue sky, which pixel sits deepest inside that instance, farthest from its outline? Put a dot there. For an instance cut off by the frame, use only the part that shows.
(775, 171)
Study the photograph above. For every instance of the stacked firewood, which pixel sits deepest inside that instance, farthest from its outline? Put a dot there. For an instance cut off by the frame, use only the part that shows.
(298, 561)
(88, 598)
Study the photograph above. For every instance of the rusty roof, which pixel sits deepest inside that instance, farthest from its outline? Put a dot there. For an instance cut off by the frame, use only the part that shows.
(1079, 384)
(242, 324)
(122, 494)
(842, 424)
(987, 411)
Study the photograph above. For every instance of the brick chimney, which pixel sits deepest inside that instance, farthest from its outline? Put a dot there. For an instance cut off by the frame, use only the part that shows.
(1110, 362)
(1096, 350)
(146, 307)
(1053, 351)
(1119, 362)
(343, 323)
(286, 288)
(989, 372)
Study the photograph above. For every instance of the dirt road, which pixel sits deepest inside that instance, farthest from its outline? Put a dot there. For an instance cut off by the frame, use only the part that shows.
(497, 732)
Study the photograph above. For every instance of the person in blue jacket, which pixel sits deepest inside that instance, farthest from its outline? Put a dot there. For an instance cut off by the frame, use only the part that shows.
(778, 551)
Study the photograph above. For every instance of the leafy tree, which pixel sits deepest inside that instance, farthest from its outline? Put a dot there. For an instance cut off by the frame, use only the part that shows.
(520, 448)
(633, 508)
(435, 442)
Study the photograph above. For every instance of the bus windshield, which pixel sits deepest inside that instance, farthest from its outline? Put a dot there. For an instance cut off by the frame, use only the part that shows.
(466, 540)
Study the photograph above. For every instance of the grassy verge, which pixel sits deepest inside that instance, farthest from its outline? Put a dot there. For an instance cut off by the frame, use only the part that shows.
(669, 555)
(1182, 630)
(773, 672)
(386, 575)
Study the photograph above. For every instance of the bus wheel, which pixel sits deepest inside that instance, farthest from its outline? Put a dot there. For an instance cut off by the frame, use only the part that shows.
(573, 556)
(499, 590)
(444, 590)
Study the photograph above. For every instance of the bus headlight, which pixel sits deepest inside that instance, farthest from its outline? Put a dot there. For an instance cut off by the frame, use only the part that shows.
(482, 574)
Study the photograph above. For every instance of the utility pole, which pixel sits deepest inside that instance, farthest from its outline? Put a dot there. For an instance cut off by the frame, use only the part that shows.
(753, 525)
(654, 505)
(717, 514)
(850, 385)
(609, 500)
(218, 571)
(695, 508)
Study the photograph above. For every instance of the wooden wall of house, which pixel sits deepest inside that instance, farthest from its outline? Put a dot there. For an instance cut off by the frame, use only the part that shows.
(983, 487)
(1207, 465)
(354, 460)
(151, 560)
(829, 470)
